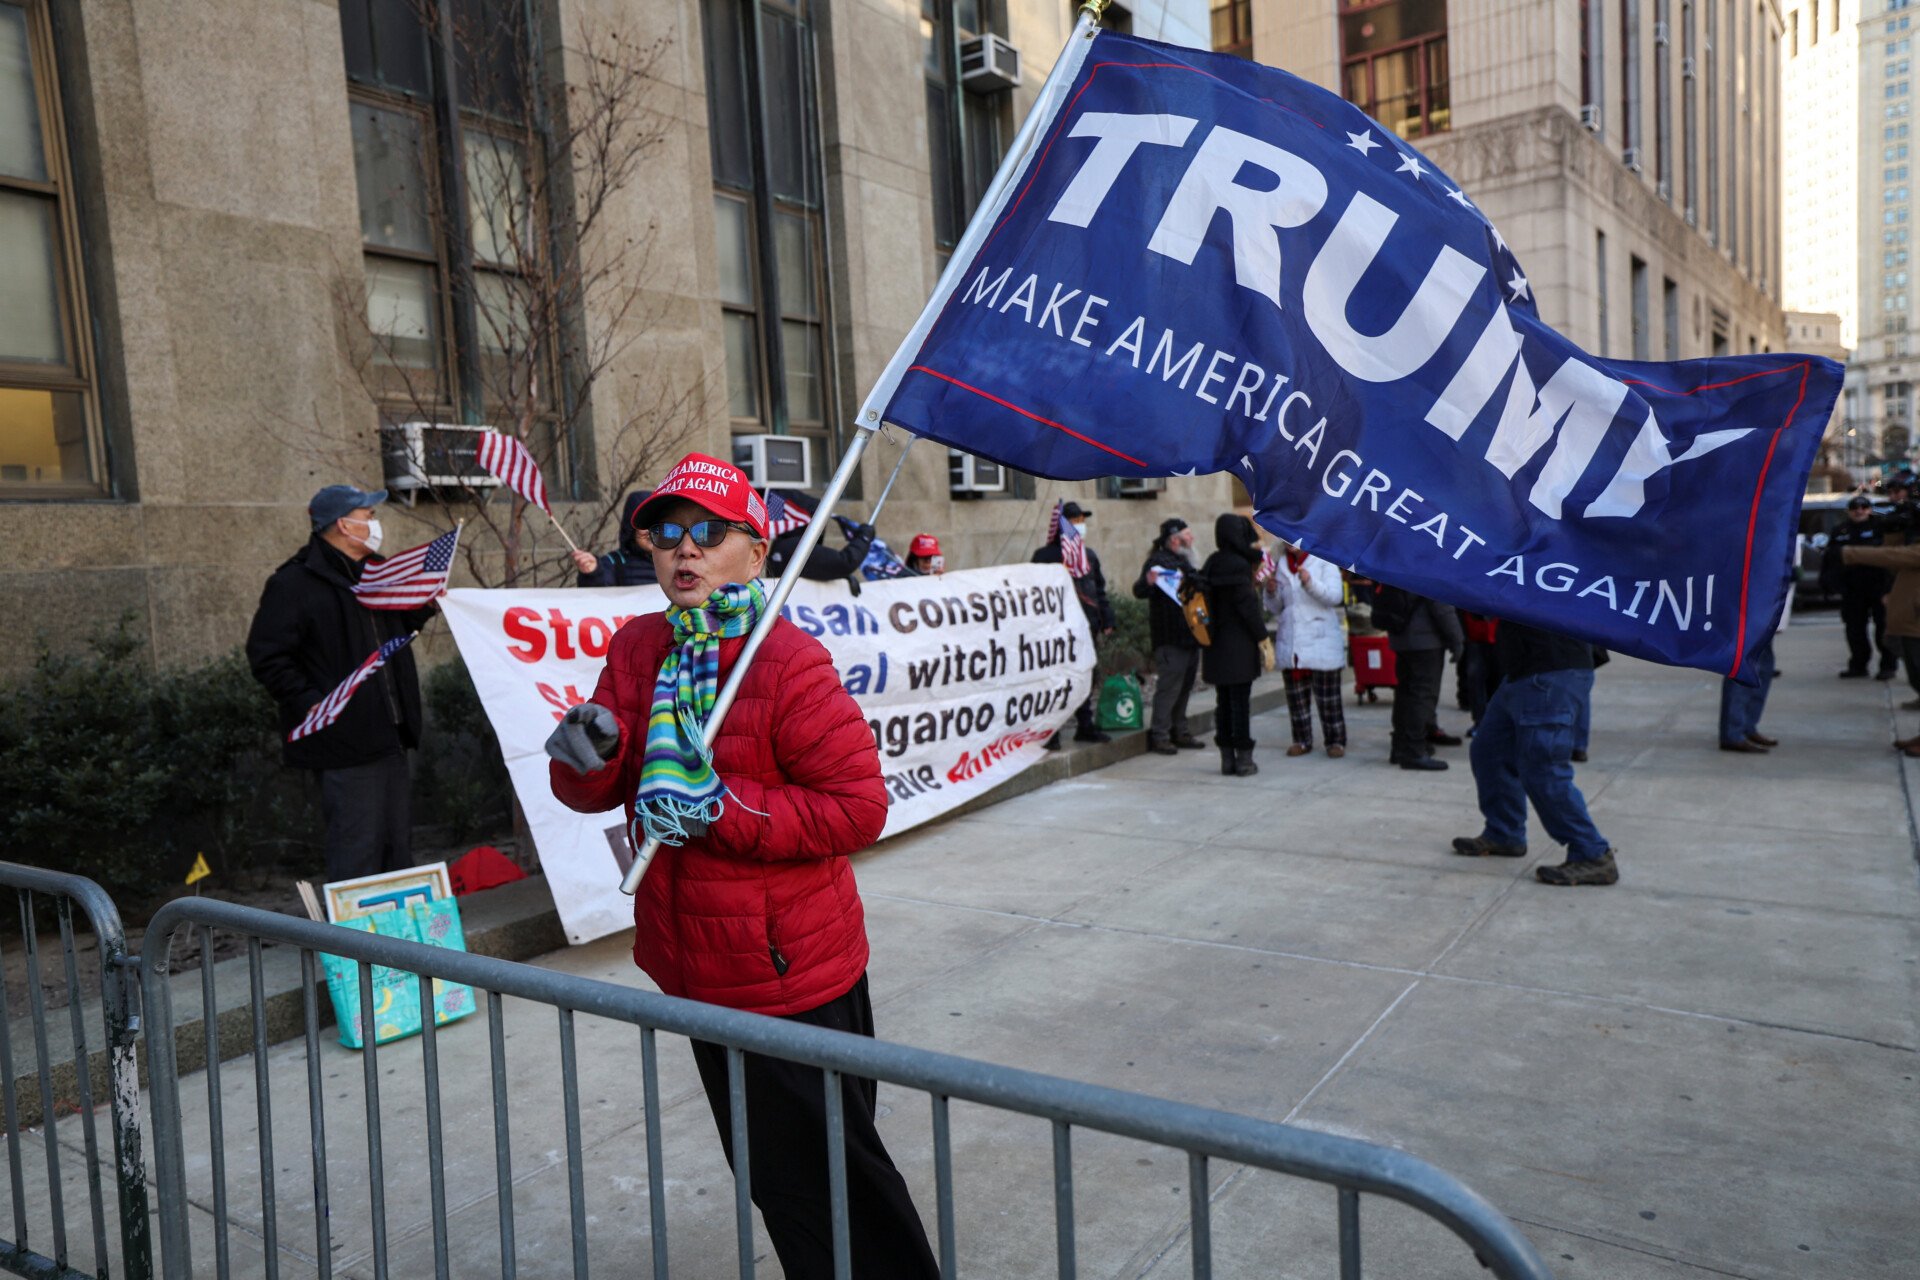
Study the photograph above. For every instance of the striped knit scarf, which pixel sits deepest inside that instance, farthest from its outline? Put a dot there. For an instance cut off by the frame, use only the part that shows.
(678, 786)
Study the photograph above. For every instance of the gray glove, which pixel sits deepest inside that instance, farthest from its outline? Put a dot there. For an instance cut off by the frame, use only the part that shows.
(586, 738)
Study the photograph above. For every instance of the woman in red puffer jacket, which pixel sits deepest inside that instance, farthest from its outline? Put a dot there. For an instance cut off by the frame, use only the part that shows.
(750, 902)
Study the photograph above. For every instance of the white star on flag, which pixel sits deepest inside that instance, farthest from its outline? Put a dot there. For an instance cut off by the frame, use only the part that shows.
(1362, 142)
(1499, 243)
(1521, 289)
(1459, 198)
(1411, 164)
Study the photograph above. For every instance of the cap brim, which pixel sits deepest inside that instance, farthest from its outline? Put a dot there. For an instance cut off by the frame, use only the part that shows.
(648, 511)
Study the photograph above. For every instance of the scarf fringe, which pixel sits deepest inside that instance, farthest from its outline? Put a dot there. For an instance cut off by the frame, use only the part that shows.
(666, 818)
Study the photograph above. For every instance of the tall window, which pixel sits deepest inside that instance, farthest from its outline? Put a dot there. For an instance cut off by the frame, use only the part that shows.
(1689, 110)
(445, 159)
(1662, 99)
(49, 432)
(1630, 111)
(1642, 304)
(1670, 318)
(963, 127)
(769, 217)
(1233, 27)
(1393, 63)
(1600, 286)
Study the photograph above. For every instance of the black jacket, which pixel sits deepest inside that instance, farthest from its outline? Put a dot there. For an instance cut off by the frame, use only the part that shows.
(1091, 589)
(308, 635)
(1431, 625)
(825, 564)
(1166, 620)
(1528, 651)
(632, 564)
(1235, 623)
(1857, 582)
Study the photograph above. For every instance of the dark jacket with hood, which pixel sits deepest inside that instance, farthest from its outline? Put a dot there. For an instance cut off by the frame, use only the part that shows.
(1235, 623)
(1166, 620)
(632, 564)
(310, 633)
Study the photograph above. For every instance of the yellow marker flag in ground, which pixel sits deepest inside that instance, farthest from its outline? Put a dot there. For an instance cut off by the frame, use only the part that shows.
(200, 868)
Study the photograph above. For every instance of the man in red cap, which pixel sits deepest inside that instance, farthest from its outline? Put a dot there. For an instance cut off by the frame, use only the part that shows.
(923, 556)
(751, 901)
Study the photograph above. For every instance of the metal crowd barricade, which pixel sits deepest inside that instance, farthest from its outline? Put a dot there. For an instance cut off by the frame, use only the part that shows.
(23, 1253)
(1353, 1167)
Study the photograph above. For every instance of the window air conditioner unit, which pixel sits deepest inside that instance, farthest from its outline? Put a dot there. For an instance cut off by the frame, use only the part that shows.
(968, 476)
(1660, 33)
(1590, 116)
(989, 64)
(432, 455)
(783, 462)
(1686, 68)
(1137, 486)
(1631, 158)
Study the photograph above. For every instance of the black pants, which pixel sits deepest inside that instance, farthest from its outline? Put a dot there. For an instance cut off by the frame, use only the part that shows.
(787, 1158)
(1416, 701)
(1233, 716)
(1858, 613)
(368, 809)
(1481, 669)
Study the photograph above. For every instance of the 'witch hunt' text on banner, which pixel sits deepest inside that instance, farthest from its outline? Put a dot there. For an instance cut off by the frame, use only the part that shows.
(1204, 264)
(962, 679)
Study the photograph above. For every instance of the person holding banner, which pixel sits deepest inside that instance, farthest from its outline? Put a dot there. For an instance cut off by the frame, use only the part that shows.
(751, 901)
(1176, 654)
(311, 632)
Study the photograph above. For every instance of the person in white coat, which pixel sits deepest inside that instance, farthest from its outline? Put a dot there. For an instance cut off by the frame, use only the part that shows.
(1311, 645)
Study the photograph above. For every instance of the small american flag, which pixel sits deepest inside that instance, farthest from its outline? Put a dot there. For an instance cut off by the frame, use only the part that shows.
(328, 709)
(1073, 547)
(1267, 566)
(504, 456)
(411, 578)
(784, 516)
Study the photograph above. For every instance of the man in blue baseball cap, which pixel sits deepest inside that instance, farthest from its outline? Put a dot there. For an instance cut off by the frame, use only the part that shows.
(309, 633)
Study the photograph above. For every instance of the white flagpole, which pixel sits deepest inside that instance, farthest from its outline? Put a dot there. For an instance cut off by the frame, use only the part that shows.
(1045, 108)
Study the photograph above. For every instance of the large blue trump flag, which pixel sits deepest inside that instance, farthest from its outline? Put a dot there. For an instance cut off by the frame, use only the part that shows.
(1203, 264)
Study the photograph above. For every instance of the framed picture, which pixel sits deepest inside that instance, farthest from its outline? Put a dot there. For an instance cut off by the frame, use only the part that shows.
(387, 891)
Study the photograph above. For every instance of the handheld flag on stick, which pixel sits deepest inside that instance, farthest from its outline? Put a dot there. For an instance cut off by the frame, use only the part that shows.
(1168, 580)
(504, 456)
(1203, 264)
(328, 709)
(409, 578)
(1073, 547)
(784, 516)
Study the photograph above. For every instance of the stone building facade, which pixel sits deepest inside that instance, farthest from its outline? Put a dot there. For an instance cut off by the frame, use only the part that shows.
(227, 259)
(1628, 150)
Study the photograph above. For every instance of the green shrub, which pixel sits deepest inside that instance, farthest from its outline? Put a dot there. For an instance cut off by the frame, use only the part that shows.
(461, 785)
(1129, 650)
(114, 772)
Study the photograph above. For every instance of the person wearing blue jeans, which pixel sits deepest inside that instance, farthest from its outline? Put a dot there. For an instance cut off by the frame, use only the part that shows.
(1741, 706)
(1523, 751)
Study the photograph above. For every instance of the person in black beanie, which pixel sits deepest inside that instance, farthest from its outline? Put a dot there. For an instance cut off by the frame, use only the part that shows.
(1176, 654)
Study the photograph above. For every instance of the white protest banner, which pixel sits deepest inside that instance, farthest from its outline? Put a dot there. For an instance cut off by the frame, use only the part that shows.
(962, 678)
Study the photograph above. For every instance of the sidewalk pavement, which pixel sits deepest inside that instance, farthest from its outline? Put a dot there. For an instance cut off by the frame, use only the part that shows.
(1706, 1070)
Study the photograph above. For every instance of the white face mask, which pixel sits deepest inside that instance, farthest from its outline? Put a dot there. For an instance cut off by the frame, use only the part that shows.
(371, 538)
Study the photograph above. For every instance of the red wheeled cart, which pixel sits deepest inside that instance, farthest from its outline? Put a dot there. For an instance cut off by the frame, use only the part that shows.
(1372, 660)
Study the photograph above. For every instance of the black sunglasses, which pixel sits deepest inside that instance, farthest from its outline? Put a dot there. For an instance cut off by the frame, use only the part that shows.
(706, 533)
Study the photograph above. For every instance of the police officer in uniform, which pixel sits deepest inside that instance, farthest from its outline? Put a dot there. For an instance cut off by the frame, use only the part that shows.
(1862, 589)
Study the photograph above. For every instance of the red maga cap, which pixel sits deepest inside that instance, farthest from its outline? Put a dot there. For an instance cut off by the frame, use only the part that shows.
(924, 544)
(719, 487)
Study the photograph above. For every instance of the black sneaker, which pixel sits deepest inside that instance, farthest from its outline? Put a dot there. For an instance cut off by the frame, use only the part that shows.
(1888, 673)
(1053, 743)
(1600, 870)
(1188, 741)
(1161, 747)
(1091, 735)
(1851, 674)
(1441, 738)
(1481, 847)
(1426, 764)
(1578, 757)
